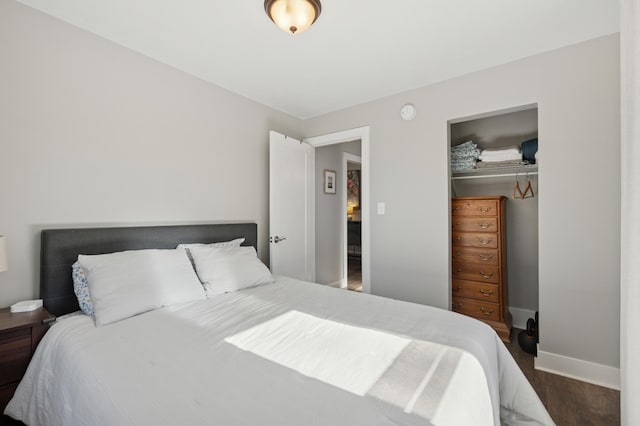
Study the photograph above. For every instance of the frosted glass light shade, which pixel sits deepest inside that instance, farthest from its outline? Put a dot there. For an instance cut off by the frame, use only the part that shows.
(293, 16)
(3, 254)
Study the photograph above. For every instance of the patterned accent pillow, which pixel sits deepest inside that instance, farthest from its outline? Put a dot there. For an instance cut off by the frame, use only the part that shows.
(81, 289)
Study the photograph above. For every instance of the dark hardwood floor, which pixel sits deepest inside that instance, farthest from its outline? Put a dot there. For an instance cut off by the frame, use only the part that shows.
(569, 402)
(354, 274)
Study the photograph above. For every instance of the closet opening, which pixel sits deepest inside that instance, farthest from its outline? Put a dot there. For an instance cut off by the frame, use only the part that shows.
(494, 218)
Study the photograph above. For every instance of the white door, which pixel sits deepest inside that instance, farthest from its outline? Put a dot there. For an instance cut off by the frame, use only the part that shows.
(291, 207)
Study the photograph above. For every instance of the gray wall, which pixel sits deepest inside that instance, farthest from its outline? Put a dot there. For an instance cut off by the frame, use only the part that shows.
(578, 95)
(329, 213)
(522, 215)
(92, 133)
(499, 130)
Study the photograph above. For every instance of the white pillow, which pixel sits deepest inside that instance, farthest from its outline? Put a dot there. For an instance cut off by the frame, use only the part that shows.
(127, 283)
(233, 243)
(227, 269)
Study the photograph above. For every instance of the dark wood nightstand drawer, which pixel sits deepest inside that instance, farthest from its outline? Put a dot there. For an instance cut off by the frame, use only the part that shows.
(20, 333)
(15, 353)
(6, 393)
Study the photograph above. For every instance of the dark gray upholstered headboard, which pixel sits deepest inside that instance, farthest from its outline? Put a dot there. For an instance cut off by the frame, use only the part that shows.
(60, 249)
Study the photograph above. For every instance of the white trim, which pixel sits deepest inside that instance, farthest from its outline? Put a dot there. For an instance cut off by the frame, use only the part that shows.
(338, 137)
(346, 157)
(310, 206)
(336, 284)
(586, 371)
(494, 113)
(361, 133)
(630, 209)
(520, 317)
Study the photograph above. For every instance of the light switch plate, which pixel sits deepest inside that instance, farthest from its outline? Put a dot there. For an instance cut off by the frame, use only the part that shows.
(381, 207)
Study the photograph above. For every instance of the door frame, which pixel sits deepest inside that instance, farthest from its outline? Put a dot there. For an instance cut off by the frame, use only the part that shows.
(362, 134)
(347, 158)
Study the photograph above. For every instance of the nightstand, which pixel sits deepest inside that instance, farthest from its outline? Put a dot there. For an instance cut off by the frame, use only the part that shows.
(20, 333)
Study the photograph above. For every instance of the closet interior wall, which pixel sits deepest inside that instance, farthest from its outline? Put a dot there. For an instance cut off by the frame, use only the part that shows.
(499, 131)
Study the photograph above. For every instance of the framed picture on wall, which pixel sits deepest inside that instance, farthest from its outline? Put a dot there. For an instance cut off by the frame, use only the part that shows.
(329, 181)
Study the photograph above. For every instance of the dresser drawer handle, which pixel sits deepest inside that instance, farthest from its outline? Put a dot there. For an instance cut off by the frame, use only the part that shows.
(486, 210)
(486, 293)
(458, 238)
(484, 311)
(457, 288)
(456, 306)
(486, 276)
(485, 225)
(486, 257)
(459, 270)
(483, 242)
(458, 253)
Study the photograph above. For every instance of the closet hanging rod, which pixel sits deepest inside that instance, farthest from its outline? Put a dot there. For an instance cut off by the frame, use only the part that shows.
(493, 176)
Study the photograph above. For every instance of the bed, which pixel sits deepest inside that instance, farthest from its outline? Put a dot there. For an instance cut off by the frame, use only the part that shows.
(286, 352)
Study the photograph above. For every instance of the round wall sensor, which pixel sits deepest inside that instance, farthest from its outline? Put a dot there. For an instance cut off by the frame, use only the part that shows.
(408, 112)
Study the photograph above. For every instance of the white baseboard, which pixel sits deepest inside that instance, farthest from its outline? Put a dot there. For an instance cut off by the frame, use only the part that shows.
(520, 317)
(337, 284)
(586, 371)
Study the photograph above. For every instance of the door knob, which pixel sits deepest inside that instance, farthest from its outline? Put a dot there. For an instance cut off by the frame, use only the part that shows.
(277, 239)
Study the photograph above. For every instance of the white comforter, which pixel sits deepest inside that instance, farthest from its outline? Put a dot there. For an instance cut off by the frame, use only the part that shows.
(289, 353)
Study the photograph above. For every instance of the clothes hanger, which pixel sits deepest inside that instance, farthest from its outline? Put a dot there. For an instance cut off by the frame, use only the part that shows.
(527, 189)
(516, 188)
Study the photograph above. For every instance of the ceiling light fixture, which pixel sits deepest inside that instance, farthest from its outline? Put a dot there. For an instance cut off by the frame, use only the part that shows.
(293, 16)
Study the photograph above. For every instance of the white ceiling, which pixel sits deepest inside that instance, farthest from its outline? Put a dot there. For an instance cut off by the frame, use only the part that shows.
(357, 51)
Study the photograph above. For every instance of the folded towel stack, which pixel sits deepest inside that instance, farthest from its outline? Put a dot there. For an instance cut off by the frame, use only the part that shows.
(511, 153)
(464, 156)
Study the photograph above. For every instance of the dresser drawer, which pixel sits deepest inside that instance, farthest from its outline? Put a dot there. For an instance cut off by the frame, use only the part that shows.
(475, 224)
(476, 290)
(485, 256)
(15, 352)
(475, 272)
(477, 308)
(474, 208)
(474, 239)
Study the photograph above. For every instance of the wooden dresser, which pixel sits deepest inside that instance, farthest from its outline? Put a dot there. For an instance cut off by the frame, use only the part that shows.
(479, 276)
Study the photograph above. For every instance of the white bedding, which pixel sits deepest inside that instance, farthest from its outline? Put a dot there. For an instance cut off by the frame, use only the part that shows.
(288, 353)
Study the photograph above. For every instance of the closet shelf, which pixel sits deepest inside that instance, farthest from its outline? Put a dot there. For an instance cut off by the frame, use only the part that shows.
(531, 169)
